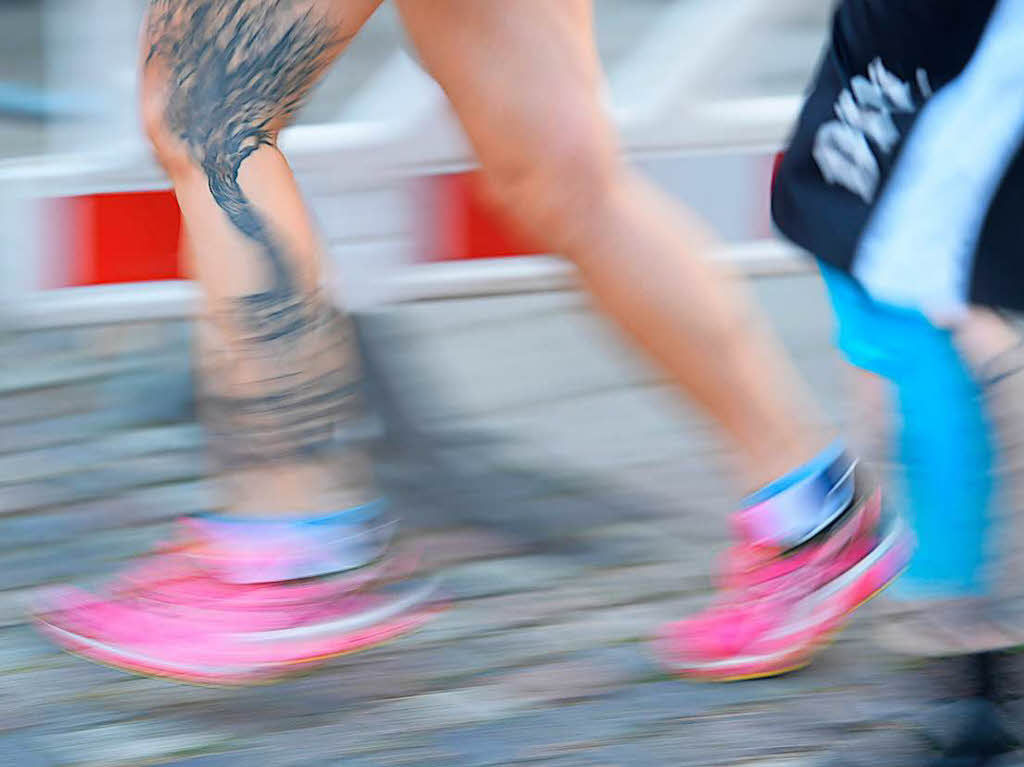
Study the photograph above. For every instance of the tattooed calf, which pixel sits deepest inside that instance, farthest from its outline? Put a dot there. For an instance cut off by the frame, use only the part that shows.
(281, 373)
(238, 70)
(262, 403)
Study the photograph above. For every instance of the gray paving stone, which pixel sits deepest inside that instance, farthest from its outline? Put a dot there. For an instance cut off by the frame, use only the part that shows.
(412, 757)
(562, 681)
(533, 736)
(337, 742)
(171, 438)
(679, 576)
(450, 547)
(448, 708)
(57, 373)
(137, 508)
(56, 430)
(19, 750)
(21, 649)
(226, 759)
(130, 743)
(482, 371)
(503, 576)
(74, 559)
(632, 543)
(100, 480)
(164, 393)
(45, 403)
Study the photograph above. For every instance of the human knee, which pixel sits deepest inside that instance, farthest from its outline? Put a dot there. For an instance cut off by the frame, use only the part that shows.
(555, 192)
(170, 150)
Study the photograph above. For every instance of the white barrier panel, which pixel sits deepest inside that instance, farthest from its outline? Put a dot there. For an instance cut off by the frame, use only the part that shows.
(174, 299)
(360, 178)
(466, 279)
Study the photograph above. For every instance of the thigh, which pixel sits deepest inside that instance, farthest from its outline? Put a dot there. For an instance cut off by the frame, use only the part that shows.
(523, 76)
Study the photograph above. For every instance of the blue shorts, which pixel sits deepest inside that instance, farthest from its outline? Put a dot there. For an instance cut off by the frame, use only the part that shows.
(945, 444)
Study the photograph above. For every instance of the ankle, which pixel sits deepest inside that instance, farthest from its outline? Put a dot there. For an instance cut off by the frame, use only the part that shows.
(256, 550)
(801, 502)
(296, 490)
(766, 463)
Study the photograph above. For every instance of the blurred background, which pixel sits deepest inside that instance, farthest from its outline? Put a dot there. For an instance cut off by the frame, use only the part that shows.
(63, 58)
(572, 502)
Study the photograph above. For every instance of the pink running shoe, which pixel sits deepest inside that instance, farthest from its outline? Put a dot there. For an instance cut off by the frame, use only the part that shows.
(170, 617)
(778, 608)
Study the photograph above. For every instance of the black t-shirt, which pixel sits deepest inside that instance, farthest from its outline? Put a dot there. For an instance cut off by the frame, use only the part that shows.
(914, 47)
(938, 36)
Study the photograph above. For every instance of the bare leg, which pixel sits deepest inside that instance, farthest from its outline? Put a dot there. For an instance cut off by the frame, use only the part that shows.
(524, 79)
(525, 83)
(871, 430)
(294, 578)
(984, 335)
(280, 371)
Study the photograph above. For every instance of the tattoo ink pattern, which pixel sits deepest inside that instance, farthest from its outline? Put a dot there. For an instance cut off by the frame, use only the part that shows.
(280, 368)
(262, 403)
(238, 70)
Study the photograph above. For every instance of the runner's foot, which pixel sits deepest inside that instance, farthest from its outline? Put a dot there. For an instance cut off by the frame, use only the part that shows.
(173, 617)
(778, 607)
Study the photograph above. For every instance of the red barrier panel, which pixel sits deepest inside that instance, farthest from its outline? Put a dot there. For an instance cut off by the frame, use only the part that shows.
(467, 224)
(124, 237)
(135, 236)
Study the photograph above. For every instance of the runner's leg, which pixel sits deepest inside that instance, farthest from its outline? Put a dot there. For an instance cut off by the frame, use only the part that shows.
(956, 396)
(220, 80)
(524, 79)
(290, 576)
(526, 87)
(954, 371)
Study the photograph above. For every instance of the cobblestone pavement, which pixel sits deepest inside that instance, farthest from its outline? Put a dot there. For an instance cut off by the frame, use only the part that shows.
(571, 503)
